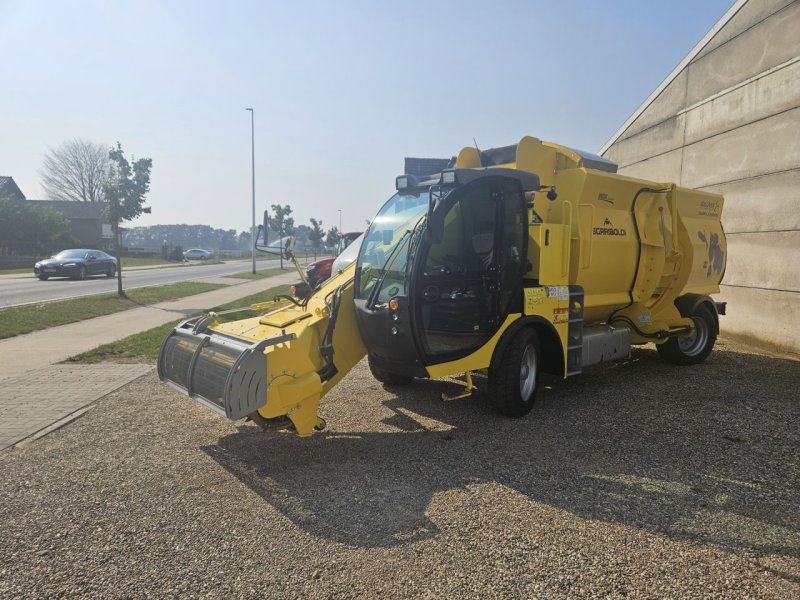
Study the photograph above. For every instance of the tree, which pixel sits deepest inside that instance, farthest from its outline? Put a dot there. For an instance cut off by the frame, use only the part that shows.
(332, 238)
(282, 223)
(28, 230)
(125, 190)
(76, 171)
(316, 235)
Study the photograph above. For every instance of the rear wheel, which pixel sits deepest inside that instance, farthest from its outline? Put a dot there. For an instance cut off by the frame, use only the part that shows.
(388, 377)
(695, 347)
(513, 384)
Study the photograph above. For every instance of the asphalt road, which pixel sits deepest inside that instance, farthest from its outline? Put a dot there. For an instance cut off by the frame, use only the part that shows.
(27, 289)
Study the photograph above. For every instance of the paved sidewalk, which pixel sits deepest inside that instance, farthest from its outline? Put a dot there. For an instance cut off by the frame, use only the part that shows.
(33, 402)
(42, 348)
(37, 395)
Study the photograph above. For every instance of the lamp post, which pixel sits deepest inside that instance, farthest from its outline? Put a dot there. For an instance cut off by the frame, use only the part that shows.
(253, 232)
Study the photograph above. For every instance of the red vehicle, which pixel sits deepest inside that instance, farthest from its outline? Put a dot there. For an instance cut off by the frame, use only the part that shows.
(320, 270)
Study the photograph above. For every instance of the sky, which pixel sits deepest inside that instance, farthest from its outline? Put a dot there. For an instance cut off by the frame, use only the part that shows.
(342, 91)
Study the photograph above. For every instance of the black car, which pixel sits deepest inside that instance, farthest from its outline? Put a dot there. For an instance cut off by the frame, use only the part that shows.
(78, 264)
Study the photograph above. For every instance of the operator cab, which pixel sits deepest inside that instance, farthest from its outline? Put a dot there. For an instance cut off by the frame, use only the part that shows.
(441, 266)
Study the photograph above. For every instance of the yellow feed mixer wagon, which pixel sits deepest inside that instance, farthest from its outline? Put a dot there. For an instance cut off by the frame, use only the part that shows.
(511, 261)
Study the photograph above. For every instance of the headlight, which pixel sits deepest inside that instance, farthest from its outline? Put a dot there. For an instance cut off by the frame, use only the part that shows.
(448, 176)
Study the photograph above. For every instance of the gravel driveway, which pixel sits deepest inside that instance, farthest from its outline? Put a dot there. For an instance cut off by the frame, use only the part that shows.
(637, 479)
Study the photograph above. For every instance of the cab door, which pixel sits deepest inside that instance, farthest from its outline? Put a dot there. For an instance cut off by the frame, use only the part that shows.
(470, 279)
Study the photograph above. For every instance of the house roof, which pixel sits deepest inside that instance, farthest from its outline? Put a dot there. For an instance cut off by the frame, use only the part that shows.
(9, 186)
(73, 210)
(675, 72)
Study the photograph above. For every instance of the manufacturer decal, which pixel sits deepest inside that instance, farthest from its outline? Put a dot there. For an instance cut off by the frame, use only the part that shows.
(709, 208)
(608, 229)
(644, 318)
(716, 257)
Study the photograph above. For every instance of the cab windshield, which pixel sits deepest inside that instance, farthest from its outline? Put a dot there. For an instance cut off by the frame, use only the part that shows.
(383, 254)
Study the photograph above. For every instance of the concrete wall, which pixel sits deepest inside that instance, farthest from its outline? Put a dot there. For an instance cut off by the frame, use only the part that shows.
(729, 122)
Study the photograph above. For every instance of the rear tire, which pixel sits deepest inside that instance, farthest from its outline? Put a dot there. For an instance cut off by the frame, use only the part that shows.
(695, 348)
(387, 377)
(513, 384)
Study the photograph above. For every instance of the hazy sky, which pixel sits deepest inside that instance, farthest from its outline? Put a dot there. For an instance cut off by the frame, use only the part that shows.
(342, 90)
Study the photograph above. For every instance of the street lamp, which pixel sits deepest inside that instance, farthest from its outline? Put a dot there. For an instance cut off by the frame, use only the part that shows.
(253, 232)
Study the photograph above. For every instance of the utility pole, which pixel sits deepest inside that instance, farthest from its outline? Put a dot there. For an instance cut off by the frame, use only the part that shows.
(253, 231)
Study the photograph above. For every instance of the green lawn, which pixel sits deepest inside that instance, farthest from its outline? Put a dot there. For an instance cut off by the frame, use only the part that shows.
(261, 274)
(128, 262)
(17, 320)
(145, 345)
(150, 261)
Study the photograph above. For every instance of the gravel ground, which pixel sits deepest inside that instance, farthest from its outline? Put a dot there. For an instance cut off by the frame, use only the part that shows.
(637, 479)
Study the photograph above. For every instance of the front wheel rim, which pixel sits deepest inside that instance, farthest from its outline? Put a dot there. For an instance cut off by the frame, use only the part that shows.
(527, 372)
(694, 343)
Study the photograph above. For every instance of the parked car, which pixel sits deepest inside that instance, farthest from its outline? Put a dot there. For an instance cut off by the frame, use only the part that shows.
(197, 254)
(318, 271)
(77, 264)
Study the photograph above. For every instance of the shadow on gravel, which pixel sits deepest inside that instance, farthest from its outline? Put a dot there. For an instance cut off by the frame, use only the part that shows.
(707, 453)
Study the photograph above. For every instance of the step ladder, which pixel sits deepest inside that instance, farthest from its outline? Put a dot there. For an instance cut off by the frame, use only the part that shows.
(575, 331)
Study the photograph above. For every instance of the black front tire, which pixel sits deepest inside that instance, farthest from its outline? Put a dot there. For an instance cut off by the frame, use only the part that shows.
(111, 272)
(43, 277)
(514, 382)
(387, 377)
(694, 348)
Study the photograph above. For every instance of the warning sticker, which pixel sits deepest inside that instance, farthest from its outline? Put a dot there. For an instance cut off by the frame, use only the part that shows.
(558, 291)
(560, 315)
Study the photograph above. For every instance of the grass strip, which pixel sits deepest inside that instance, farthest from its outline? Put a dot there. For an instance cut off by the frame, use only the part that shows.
(145, 345)
(17, 320)
(260, 274)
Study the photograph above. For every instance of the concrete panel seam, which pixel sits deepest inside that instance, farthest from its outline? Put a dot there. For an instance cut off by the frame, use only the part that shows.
(739, 85)
(755, 287)
(730, 233)
(770, 174)
(676, 71)
(777, 114)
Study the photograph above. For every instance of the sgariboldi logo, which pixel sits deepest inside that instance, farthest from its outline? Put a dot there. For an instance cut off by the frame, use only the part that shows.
(608, 229)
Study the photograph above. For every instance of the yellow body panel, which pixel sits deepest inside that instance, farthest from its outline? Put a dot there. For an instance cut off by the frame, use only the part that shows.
(632, 246)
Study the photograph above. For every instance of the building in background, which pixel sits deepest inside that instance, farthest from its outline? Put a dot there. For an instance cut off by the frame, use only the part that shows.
(727, 120)
(10, 189)
(87, 221)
